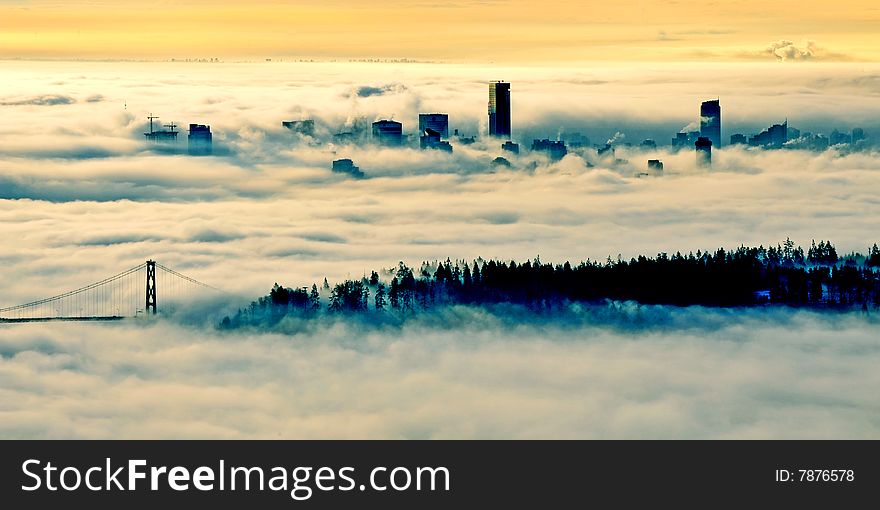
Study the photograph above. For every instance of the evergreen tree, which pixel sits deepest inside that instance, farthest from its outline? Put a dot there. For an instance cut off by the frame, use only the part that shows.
(380, 297)
(475, 274)
(314, 298)
(394, 294)
(873, 259)
(365, 297)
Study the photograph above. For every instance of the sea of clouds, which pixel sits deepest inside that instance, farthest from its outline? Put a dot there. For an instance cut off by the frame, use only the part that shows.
(82, 197)
(702, 374)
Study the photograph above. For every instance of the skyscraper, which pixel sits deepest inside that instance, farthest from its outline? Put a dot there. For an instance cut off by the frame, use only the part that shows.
(499, 109)
(388, 132)
(439, 122)
(739, 139)
(775, 136)
(710, 121)
(553, 148)
(703, 148)
(858, 134)
(303, 127)
(200, 140)
(431, 139)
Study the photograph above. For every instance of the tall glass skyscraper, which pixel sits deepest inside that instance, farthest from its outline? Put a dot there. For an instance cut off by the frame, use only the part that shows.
(439, 122)
(710, 121)
(499, 109)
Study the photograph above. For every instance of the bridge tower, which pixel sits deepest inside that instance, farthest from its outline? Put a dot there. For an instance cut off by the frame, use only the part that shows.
(151, 287)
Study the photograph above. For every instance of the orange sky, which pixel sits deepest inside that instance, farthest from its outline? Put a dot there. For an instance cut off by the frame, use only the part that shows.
(457, 30)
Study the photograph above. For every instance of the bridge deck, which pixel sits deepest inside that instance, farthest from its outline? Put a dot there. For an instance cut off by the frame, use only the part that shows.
(62, 319)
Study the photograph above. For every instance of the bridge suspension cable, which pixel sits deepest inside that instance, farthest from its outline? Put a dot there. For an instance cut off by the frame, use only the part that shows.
(119, 296)
(187, 278)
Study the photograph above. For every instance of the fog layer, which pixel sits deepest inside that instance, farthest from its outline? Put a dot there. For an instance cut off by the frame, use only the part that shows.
(82, 198)
(701, 374)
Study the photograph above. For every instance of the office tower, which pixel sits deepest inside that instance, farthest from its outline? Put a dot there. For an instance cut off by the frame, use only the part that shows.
(775, 136)
(430, 139)
(464, 140)
(575, 140)
(553, 148)
(439, 122)
(710, 121)
(858, 134)
(838, 138)
(510, 147)
(703, 148)
(680, 140)
(738, 139)
(347, 166)
(303, 127)
(655, 164)
(199, 140)
(388, 132)
(499, 109)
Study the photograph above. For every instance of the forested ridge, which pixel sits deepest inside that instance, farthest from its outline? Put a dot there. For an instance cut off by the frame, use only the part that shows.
(779, 275)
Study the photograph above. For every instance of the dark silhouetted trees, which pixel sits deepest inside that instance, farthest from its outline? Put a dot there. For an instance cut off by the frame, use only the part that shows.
(781, 275)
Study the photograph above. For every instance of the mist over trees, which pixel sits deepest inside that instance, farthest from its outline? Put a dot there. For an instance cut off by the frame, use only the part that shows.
(778, 275)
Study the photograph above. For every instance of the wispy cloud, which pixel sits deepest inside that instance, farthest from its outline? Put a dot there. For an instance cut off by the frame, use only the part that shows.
(788, 51)
(44, 100)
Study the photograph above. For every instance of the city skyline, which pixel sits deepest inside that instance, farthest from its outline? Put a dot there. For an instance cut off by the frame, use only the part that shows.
(433, 133)
(477, 31)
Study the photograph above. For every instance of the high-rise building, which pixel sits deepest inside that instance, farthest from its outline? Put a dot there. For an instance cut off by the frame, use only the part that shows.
(430, 139)
(838, 138)
(575, 140)
(601, 151)
(200, 141)
(655, 164)
(303, 127)
(739, 139)
(510, 147)
(347, 166)
(680, 140)
(858, 134)
(703, 148)
(710, 121)
(821, 142)
(775, 136)
(439, 122)
(499, 109)
(388, 132)
(554, 148)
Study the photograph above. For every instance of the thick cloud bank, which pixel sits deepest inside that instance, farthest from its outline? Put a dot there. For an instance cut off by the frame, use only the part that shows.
(634, 373)
(83, 198)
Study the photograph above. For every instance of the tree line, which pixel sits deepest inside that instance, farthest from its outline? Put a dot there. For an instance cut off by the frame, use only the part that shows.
(779, 275)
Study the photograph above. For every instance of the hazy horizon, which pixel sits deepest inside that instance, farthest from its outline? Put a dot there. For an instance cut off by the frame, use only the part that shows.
(512, 31)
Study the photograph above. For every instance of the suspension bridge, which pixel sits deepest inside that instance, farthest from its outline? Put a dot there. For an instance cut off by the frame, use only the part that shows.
(131, 293)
